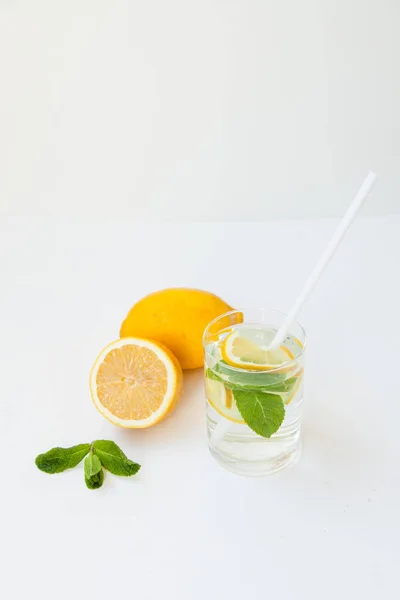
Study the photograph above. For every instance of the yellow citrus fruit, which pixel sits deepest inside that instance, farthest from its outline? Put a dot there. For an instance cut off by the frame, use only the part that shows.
(295, 389)
(242, 352)
(175, 317)
(135, 382)
(222, 400)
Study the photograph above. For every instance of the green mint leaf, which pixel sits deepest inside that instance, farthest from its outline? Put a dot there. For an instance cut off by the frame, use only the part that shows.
(211, 375)
(94, 475)
(57, 460)
(95, 482)
(263, 413)
(92, 465)
(284, 386)
(246, 379)
(113, 459)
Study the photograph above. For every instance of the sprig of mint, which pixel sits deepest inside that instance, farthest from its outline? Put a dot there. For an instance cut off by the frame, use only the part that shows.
(99, 454)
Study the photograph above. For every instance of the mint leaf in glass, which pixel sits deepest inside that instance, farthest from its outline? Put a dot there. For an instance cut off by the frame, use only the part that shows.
(263, 413)
(246, 379)
(57, 460)
(211, 375)
(94, 475)
(284, 387)
(113, 459)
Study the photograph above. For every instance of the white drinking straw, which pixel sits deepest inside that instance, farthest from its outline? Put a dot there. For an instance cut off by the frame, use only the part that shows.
(351, 213)
(326, 256)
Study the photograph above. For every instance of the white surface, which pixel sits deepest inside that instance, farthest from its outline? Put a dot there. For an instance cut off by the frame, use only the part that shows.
(184, 528)
(180, 109)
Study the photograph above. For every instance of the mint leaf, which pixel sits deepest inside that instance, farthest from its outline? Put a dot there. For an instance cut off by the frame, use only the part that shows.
(283, 387)
(96, 481)
(247, 379)
(92, 465)
(113, 459)
(57, 460)
(94, 475)
(211, 375)
(263, 413)
(263, 382)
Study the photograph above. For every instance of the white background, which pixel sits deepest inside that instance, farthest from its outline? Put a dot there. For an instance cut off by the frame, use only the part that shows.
(187, 109)
(175, 110)
(183, 528)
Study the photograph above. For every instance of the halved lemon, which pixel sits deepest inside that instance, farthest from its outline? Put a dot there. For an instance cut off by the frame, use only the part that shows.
(135, 382)
(222, 400)
(240, 351)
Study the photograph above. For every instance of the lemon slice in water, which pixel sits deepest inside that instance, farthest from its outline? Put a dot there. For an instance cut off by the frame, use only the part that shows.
(222, 400)
(240, 351)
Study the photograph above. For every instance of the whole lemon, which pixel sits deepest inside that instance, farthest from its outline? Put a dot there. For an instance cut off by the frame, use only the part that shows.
(176, 317)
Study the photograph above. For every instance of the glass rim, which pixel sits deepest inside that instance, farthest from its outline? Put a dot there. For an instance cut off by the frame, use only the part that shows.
(243, 310)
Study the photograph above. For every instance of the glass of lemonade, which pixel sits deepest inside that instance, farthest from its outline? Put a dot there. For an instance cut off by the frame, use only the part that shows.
(254, 394)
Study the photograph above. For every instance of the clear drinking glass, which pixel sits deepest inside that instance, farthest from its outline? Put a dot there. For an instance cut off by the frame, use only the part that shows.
(267, 386)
